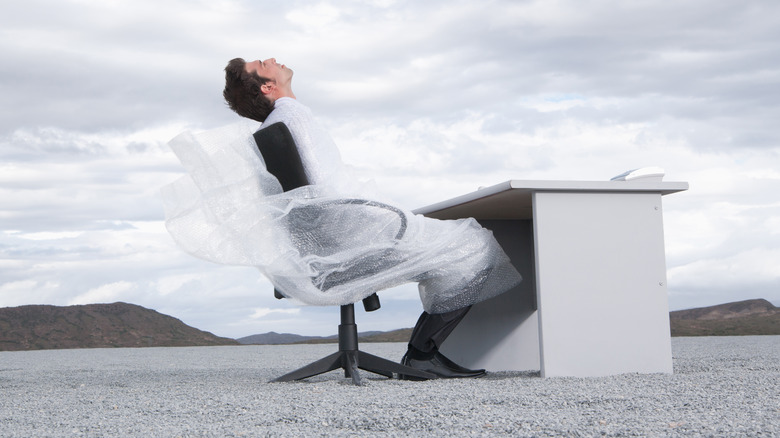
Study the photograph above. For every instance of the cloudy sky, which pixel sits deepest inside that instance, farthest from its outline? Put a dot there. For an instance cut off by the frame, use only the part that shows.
(430, 99)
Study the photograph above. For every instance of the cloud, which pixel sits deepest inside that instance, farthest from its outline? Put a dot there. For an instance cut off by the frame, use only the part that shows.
(49, 235)
(106, 293)
(23, 292)
(262, 312)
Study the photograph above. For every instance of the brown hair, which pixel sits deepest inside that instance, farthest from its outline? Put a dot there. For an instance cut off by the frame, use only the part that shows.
(242, 92)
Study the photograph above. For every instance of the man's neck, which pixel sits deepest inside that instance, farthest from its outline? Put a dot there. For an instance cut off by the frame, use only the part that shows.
(278, 93)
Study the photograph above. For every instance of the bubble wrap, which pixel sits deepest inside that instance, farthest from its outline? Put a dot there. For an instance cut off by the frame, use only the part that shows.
(326, 243)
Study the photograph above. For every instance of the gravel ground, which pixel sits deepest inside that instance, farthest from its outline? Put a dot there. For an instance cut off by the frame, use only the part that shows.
(721, 386)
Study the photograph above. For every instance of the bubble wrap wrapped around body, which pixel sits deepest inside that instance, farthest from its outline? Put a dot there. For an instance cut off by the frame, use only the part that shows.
(326, 243)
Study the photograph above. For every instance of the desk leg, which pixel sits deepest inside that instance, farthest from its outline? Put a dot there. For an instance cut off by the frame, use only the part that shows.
(601, 284)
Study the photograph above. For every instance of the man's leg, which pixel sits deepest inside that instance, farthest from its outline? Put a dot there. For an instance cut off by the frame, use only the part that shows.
(428, 335)
(431, 330)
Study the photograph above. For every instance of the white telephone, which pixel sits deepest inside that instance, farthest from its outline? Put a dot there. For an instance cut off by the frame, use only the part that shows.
(643, 173)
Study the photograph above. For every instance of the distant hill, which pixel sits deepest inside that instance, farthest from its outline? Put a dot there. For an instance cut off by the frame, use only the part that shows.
(750, 317)
(400, 335)
(41, 327)
(273, 338)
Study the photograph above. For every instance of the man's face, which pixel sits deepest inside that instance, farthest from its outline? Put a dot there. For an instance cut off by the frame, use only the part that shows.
(270, 69)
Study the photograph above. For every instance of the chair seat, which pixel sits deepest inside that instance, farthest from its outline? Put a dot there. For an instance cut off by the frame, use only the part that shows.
(367, 266)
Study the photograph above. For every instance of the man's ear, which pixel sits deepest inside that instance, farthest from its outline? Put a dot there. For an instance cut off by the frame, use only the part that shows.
(267, 87)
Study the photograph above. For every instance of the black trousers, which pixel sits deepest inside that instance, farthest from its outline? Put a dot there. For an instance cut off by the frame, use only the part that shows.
(431, 330)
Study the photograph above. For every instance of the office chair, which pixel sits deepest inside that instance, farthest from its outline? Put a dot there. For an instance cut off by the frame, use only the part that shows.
(282, 160)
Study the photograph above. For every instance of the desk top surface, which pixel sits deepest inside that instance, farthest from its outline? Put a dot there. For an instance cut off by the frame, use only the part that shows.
(513, 199)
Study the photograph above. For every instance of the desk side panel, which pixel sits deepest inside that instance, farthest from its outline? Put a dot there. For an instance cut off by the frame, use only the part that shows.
(601, 284)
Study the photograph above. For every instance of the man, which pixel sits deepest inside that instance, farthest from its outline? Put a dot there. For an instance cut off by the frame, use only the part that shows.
(262, 90)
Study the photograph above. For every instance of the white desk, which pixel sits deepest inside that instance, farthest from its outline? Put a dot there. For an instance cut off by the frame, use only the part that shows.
(593, 301)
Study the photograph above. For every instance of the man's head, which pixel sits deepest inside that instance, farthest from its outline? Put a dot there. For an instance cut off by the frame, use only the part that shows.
(252, 87)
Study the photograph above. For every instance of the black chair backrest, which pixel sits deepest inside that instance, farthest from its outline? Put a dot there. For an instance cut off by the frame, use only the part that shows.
(283, 161)
(281, 156)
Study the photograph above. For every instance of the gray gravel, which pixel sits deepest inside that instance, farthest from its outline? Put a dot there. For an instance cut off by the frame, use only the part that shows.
(725, 386)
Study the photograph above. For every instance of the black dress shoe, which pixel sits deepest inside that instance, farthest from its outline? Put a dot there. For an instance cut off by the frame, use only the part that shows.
(439, 366)
(453, 366)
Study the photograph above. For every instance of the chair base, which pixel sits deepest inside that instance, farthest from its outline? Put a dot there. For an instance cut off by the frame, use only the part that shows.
(350, 358)
(351, 361)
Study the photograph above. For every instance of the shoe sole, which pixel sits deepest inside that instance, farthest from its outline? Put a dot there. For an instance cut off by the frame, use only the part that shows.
(420, 379)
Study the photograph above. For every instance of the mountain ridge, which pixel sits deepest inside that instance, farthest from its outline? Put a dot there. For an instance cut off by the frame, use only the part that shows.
(43, 327)
(273, 338)
(739, 318)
